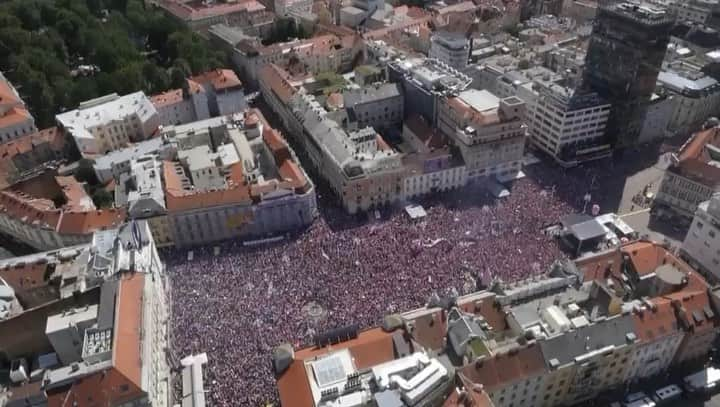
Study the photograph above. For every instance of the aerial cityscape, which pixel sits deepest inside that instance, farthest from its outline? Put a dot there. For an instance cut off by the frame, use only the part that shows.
(359, 203)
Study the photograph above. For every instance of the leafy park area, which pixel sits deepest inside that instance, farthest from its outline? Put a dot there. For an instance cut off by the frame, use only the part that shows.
(59, 53)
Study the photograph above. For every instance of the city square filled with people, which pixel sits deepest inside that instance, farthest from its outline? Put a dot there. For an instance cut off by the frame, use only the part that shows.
(240, 303)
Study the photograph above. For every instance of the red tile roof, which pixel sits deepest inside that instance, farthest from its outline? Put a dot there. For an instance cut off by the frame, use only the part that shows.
(690, 303)
(77, 199)
(81, 223)
(656, 322)
(179, 199)
(123, 381)
(693, 158)
(128, 328)
(430, 137)
(7, 95)
(26, 144)
(15, 116)
(188, 13)
(335, 100)
(493, 313)
(602, 266)
(467, 112)
(290, 176)
(476, 393)
(24, 277)
(417, 20)
(30, 210)
(278, 80)
(219, 79)
(70, 219)
(372, 347)
(430, 328)
(516, 364)
(168, 98)
(646, 256)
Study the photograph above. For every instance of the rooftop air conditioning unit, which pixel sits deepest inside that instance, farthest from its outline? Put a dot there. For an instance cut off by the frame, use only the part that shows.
(18, 371)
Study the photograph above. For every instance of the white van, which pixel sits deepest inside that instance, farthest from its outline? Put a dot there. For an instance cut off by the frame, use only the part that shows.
(643, 402)
(667, 393)
(702, 381)
(635, 397)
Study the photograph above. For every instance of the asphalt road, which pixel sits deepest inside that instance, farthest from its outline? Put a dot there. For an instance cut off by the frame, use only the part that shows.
(713, 402)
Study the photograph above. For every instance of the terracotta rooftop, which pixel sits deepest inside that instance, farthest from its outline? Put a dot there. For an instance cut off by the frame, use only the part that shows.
(372, 347)
(25, 277)
(335, 100)
(431, 138)
(27, 143)
(467, 112)
(478, 396)
(694, 158)
(128, 327)
(168, 98)
(187, 12)
(646, 257)
(278, 81)
(430, 328)
(494, 314)
(602, 266)
(14, 116)
(194, 87)
(464, 7)
(7, 96)
(220, 79)
(657, 322)
(418, 18)
(180, 198)
(30, 210)
(691, 308)
(77, 199)
(80, 223)
(77, 218)
(123, 381)
(516, 364)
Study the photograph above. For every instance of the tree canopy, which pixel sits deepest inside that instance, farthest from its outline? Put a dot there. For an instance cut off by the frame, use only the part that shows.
(44, 44)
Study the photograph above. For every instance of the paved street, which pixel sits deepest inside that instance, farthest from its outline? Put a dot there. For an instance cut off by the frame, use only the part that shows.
(638, 215)
(635, 184)
(657, 231)
(714, 402)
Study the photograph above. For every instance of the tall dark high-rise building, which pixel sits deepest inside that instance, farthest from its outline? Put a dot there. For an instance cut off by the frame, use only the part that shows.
(624, 57)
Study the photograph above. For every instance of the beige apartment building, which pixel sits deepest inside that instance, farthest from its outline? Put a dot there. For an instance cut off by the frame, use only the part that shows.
(693, 176)
(489, 131)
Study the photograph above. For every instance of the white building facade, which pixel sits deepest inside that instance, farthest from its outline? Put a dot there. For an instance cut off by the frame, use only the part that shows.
(656, 346)
(488, 131)
(568, 127)
(15, 120)
(452, 49)
(110, 122)
(695, 96)
(702, 244)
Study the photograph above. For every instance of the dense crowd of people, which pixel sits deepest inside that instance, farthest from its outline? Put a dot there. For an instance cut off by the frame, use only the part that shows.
(238, 305)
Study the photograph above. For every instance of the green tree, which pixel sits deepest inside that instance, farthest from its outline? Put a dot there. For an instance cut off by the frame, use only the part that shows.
(177, 78)
(102, 198)
(129, 78)
(12, 39)
(28, 12)
(83, 89)
(156, 79)
(42, 42)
